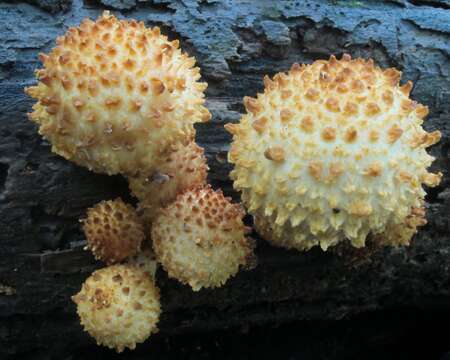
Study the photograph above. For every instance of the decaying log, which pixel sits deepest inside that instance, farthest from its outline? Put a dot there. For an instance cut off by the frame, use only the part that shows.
(42, 196)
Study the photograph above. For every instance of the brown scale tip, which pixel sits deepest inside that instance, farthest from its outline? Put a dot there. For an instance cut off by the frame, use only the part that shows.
(329, 133)
(315, 169)
(275, 153)
(113, 231)
(406, 88)
(350, 108)
(421, 111)
(286, 115)
(251, 105)
(268, 83)
(394, 133)
(312, 94)
(425, 139)
(374, 170)
(372, 109)
(335, 170)
(332, 105)
(350, 135)
(307, 124)
(360, 209)
(260, 124)
(232, 128)
(393, 76)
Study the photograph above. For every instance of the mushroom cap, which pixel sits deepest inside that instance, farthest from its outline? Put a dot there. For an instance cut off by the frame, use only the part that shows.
(183, 168)
(329, 151)
(114, 95)
(113, 231)
(119, 306)
(200, 238)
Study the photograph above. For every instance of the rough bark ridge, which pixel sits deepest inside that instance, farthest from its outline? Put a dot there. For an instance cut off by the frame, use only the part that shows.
(236, 43)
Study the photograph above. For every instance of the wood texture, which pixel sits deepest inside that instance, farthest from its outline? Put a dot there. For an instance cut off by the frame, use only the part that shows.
(42, 196)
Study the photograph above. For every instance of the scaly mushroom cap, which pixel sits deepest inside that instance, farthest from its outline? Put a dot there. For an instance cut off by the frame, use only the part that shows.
(199, 238)
(113, 231)
(114, 95)
(183, 168)
(119, 306)
(329, 151)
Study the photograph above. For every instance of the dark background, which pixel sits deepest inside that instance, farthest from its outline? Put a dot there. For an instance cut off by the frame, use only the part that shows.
(393, 303)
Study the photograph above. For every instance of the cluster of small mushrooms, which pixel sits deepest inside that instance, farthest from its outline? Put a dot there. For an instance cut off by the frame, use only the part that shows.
(330, 151)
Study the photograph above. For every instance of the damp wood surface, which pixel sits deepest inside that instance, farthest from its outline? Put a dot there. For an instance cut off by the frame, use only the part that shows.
(42, 196)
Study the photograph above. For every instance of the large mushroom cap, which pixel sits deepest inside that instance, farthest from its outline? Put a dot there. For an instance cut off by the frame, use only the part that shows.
(119, 306)
(114, 95)
(329, 151)
(113, 231)
(180, 170)
(200, 238)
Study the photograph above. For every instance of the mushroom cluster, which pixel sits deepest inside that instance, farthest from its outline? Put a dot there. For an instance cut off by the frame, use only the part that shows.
(330, 151)
(119, 98)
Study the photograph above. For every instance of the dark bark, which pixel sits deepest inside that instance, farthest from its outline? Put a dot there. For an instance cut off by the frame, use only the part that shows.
(42, 195)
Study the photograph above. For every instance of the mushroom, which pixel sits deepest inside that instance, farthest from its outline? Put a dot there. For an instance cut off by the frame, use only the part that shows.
(114, 96)
(119, 306)
(113, 231)
(331, 151)
(200, 238)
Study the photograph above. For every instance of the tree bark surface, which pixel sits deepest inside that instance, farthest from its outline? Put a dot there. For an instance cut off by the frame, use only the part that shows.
(42, 196)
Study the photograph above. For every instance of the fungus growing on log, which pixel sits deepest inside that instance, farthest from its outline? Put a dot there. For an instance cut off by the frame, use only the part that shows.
(180, 170)
(113, 231)
(114, 96)
(200, 238)
(119, 306)
(331, 151)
